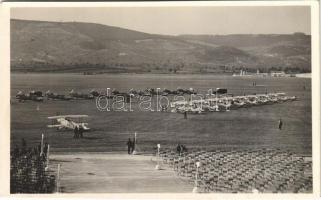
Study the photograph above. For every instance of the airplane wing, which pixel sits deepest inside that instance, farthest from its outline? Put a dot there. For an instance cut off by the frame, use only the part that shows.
(54, 126)
(56, 117)
(68, 116)
(76, 116)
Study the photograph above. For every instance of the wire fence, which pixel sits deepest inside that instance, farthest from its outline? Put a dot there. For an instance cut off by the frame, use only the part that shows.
(29, 172)
(246, 171)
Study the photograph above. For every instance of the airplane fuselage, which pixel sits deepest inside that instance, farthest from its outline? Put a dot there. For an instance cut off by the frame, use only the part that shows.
(71, 124)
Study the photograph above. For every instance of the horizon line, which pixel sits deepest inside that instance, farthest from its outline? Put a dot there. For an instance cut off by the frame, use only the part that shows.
(182, 34)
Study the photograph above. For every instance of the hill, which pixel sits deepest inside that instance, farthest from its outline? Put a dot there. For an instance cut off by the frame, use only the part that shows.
(40, 46)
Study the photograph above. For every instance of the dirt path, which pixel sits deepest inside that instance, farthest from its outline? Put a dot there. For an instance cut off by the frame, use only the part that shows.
(115, 173)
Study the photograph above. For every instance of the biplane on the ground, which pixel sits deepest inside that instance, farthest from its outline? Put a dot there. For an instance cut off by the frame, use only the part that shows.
(69, 122)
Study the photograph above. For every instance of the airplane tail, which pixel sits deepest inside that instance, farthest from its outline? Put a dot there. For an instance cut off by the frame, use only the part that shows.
(84, 126)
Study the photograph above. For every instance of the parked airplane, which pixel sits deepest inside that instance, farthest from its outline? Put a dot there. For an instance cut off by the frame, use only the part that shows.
(95, 93)
(33, 96)
(78, 95)
(55, 96)
(66, 122)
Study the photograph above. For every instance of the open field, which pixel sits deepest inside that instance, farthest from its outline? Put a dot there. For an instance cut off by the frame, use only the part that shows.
(254, 127)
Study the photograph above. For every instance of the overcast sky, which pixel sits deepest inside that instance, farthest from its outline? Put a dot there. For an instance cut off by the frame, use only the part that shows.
(183, 20)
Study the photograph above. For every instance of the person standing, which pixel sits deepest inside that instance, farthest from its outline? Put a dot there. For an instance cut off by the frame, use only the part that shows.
(81, 130)
(185, 115)
(129, 146)
(280, 124)
(23, 146)
(179, 149)
(76, 131)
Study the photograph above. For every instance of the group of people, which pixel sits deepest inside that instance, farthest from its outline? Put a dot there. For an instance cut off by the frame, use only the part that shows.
(78, 132)
(131, 145)
(180, 148)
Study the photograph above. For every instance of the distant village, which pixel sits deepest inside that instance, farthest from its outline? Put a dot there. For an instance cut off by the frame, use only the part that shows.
(272, 74)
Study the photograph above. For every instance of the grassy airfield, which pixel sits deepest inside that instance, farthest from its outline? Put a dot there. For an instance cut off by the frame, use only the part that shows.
(255, 127)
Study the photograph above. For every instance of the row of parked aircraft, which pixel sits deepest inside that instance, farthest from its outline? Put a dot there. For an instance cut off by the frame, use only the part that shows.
(164, 92)
(225, 103)
(40, 96)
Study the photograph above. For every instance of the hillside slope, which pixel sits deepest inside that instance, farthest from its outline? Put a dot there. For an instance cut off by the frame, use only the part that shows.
(81, 47)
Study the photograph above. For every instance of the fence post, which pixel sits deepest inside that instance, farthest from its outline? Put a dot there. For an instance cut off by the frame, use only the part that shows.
(47, 166)
(195, 189)
(157, 157)
(41, 150)
(135, 144)
(58, 179)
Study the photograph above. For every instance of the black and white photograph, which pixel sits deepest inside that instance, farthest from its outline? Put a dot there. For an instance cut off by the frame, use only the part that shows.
(115, 99)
